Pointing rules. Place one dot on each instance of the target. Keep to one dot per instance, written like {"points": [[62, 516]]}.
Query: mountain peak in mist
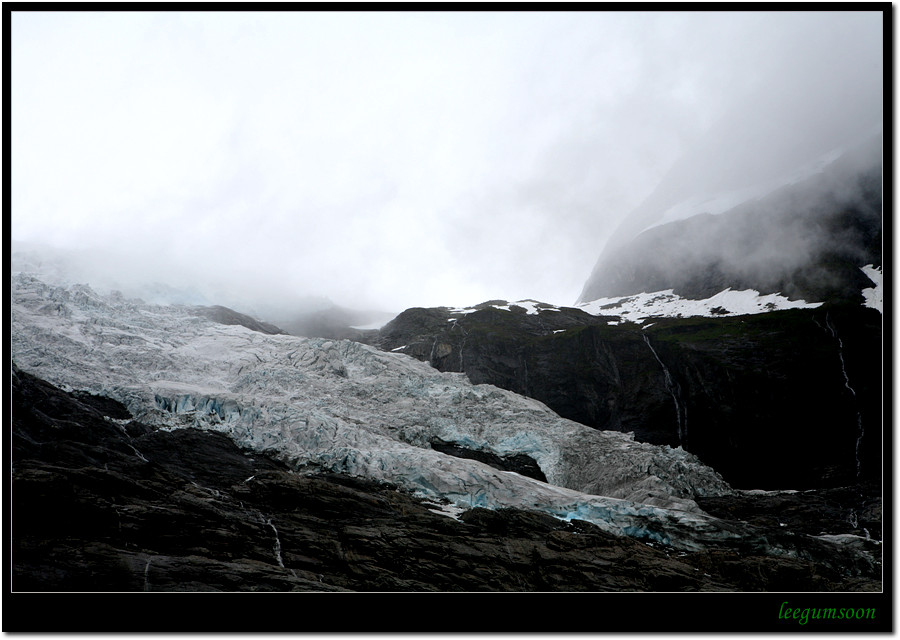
{"points": [[803, 225]]}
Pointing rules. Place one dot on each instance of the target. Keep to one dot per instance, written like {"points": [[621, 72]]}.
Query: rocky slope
{"points": [[224, 315], [103, 502], [798, 388]]}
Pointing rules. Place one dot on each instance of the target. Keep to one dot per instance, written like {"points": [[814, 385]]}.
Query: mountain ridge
{"points": [[806, 240]]}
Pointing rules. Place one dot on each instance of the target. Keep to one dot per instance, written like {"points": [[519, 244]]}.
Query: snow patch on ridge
{"points": [[666, 303], [531, 307], [874, 296], [658, 304]]}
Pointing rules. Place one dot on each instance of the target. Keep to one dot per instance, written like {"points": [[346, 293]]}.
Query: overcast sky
{"points": [[383, 160]]}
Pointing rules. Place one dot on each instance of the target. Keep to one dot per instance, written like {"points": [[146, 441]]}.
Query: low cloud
{"points": [[395, 159]]}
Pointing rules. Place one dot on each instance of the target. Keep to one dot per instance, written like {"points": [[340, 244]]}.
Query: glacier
{"points": [[346, 407]]}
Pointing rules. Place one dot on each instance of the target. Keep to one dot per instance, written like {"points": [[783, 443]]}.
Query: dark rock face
{"points": [[224, 315], [813, 512], [520, 463], [788, 399], [778, 400], [105, 505], [805, 241]]}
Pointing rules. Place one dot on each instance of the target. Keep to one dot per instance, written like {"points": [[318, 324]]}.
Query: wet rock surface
{"points": [[841, 511], [520, 463], [800, 389], [105, 503]]}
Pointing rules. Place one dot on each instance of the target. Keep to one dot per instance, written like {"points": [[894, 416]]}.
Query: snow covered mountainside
{"points": [[346, 407]]}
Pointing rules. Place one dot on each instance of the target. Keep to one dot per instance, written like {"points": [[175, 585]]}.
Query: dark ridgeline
{"points": [[224, 315]]}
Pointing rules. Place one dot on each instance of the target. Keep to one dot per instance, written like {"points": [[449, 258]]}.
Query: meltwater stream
{"points": [[860, 432], [681, 423]]}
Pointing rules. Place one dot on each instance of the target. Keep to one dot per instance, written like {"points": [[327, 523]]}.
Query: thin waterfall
{"points": [[462, 344], [147, 575], [525, 370], [260, 518], [860, 431], [431, 357], [277, 544], [674, 391]]}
